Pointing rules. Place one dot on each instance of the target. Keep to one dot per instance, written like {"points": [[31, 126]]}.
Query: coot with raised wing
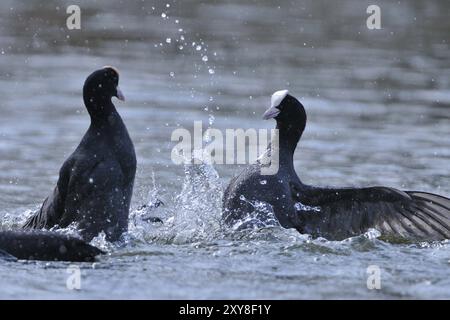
{"points": [[332, 213]]}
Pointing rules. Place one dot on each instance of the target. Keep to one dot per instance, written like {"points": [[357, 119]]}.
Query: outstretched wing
{"points": [[337, 214], [52, 209]]}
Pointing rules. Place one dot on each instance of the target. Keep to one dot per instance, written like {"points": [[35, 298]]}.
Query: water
{"points": [[378, 114]]}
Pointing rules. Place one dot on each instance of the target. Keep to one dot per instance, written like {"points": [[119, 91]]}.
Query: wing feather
{"points": [[347, 212]]}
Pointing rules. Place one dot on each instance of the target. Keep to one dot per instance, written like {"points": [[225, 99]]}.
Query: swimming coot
{"points": [[332, 213], [96, 182]]}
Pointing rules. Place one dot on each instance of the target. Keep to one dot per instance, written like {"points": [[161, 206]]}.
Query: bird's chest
{"points": [[272, 188], [121, 149], [125, 155]]}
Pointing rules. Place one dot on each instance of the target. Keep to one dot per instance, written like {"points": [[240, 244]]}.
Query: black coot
{"points": [[96, 182], [333, 213]]}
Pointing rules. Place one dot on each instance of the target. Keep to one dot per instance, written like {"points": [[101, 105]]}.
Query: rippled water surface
{"points": [[378, 105]]}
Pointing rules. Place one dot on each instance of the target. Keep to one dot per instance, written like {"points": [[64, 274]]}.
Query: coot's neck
{"points": [[288, 137], [101, 109]]}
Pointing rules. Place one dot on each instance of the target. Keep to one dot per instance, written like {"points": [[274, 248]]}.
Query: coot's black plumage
{"points": [[44, 245], [96, 182], [5, 256], [333, 213]]}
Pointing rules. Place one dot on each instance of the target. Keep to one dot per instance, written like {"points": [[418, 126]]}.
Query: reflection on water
{"points": [[377, 102]]}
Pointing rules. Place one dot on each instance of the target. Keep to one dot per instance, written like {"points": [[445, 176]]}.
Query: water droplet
{"points": [[91, 180], [168, 40], [263, 182], [172, 74], [301, 207], [163, 15], [205, 58], [211, 71], [198, 47], [242, 197], [211, 119]]}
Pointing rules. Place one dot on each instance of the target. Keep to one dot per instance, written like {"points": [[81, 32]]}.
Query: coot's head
{"points": [[287, 111], [102, 85]]}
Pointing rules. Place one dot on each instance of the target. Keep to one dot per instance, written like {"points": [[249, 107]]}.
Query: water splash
{"points": [[15, 219], [372, 234], [197, 209], [301, 207], [262, 216], [103, 244], [190, 43]]}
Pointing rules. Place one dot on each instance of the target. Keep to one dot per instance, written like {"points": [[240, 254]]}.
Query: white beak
{"points": [[275, 101], [120, 95], [271, 113]]}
